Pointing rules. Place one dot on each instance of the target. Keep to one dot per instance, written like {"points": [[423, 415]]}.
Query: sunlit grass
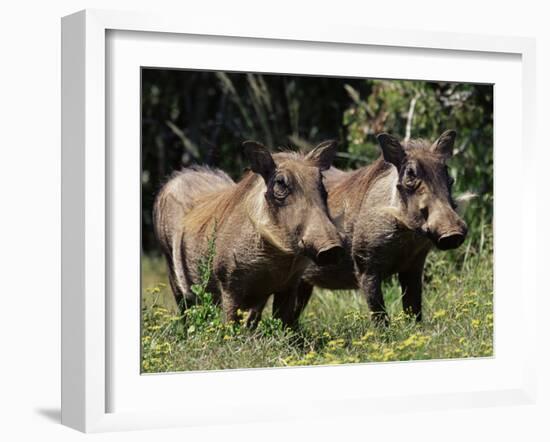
{"points": [[334, 329]]}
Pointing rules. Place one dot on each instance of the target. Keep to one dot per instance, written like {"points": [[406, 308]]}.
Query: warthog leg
{"points": [[255, 314], [230, 308], [234, 310], [288, 304], [411, 287], [372, 287], [283, 306], [303, 295], [184, 300]]}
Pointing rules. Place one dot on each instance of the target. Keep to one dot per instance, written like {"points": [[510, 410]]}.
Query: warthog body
{"points": [[391, 213], [265, 228]]}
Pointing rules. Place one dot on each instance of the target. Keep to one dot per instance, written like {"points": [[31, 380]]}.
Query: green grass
{"points": [[335, 328]]}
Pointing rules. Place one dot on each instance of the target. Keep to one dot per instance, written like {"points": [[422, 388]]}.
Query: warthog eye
{"points": [[411, 180], [280, 188]]}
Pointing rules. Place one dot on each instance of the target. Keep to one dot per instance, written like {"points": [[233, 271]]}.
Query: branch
{"points": [[410, 116], [187, 143]]}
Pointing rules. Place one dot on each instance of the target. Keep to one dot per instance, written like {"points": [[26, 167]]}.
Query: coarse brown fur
{"points": [[391, 214], [265, 227]]}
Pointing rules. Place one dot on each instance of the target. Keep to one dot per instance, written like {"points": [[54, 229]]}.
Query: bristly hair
{"points": [[353, 188], [288, 153], [217, 206], [416, 143]]}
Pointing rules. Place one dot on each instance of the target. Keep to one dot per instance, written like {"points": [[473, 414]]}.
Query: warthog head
{"points": [[424, 186], [292, 205]]}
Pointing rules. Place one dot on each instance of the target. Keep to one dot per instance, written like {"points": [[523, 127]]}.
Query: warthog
{"points": [[391, 213], [265, 228]]}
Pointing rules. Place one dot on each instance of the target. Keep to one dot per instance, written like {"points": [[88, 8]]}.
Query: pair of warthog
{"points": [[293, 222]]}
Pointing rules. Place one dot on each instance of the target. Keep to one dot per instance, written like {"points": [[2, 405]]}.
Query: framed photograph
{"points": [[262, 221]]}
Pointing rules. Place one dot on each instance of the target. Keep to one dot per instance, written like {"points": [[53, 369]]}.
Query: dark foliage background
{"points": [[191, 117]]}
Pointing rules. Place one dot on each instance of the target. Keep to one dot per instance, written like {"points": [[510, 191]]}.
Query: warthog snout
{"points": [[329, 255], [451, 240], [445, 228], [321, 241]]}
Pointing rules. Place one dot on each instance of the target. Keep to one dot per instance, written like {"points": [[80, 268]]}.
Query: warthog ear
{"points": [[392, 150], [323, 155], [444, 144], [261, 161]]}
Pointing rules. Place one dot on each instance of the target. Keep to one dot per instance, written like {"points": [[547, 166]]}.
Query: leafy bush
{"points": [[419, 109]]}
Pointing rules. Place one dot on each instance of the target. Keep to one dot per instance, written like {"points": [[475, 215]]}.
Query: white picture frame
{"points": [[87, 208]]}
